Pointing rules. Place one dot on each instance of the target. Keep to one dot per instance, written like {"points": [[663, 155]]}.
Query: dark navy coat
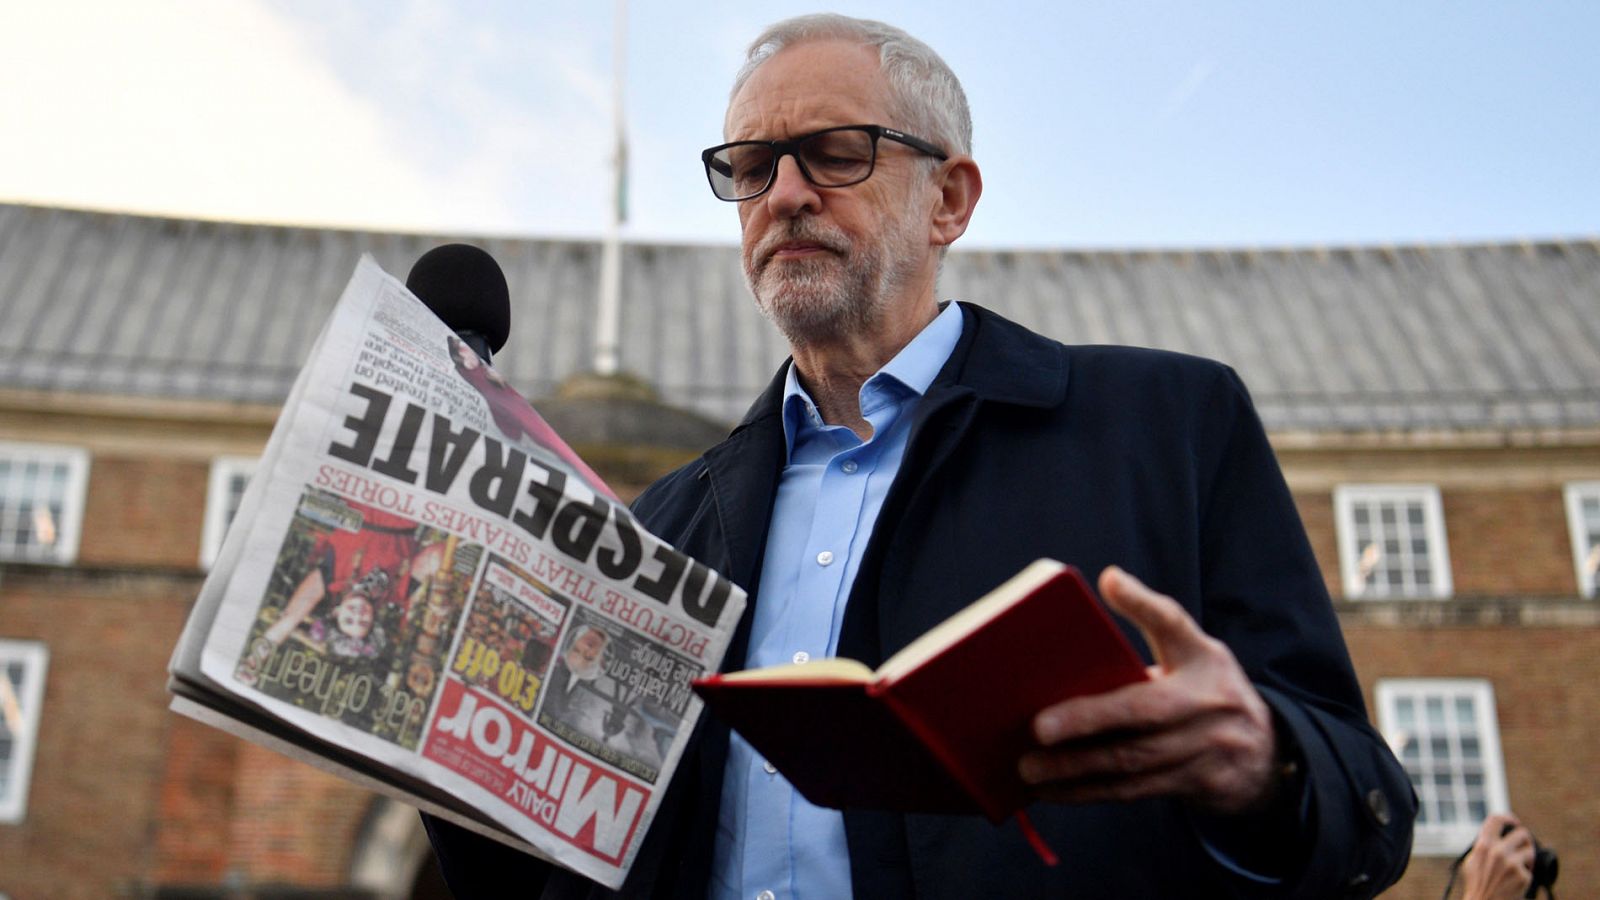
{"points": [[1023, 448]]}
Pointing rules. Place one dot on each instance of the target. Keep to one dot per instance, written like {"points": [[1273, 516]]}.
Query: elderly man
{"points": [[913, 455]]}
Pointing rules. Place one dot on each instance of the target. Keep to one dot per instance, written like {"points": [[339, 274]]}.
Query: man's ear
{"points": [[960, 184]]}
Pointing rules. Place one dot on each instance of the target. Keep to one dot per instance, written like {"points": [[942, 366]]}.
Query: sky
{"points": [[1096, 124]]}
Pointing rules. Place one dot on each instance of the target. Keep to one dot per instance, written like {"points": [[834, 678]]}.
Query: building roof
{"points": [[1434, 337]]}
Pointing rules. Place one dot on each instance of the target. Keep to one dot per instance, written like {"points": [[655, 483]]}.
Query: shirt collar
{"points": [[913, 368]]}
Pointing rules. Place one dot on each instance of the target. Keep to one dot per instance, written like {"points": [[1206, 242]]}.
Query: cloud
{"points": [[1198, 75], [513, 103], [215, 109]]}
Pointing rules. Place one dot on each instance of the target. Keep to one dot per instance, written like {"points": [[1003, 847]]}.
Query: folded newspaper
{"points": [[425, 591]]}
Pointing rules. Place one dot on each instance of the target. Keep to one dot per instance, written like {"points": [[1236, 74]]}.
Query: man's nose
{"points": [[791, 194]]}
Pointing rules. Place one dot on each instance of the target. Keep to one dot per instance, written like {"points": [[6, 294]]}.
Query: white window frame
{"points": [[1585, 552], [1433, 837], [20, 710], [223, 470], [64, 550], [1345, 499]]}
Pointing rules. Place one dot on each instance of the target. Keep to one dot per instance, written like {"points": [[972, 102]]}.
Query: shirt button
{"points": [[849, 467], [769, 768], [800, 656], [825, 557], [766, 895]]}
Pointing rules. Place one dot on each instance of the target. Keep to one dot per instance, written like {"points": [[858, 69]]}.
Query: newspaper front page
{"points": [[422, 574]]}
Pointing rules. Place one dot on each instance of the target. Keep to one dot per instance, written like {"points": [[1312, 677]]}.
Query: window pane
{"points": [[1392, 553], [230, 477], [21, 683], [1443, 753], [38, 500]]}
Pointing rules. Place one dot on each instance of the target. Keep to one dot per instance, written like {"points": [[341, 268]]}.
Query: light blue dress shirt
{"points": [[771, 843]]}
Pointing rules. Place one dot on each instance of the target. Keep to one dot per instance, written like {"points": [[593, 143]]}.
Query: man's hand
{"points": [[1499, 866], [1196, 730]]}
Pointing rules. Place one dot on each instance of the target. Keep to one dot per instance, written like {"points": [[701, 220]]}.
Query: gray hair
{"points": [[924, 93]]}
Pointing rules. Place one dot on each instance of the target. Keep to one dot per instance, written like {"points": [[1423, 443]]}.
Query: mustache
{"points": [[809, 231]]}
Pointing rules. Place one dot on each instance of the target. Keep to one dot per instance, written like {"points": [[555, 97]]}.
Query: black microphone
{"points": [[465, 288]]}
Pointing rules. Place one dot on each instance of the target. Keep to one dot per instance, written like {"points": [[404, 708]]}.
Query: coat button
{"points": [[1357, 883], [1378, 804]]}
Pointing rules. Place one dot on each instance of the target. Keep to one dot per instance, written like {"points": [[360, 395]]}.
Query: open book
{"points": [[425, 592], [940, 726]]}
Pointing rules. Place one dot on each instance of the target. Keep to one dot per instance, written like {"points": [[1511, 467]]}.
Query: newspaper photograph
{"points": [[424, 576]]}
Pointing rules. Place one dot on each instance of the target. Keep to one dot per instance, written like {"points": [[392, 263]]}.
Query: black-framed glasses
{"points": [[832, 157]]}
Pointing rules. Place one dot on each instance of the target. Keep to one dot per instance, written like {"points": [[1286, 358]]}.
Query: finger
{"points": [[1133, 708], [1174, 637], [1093, 760], [1189, 779], [1493, 826], [1115, 789]]}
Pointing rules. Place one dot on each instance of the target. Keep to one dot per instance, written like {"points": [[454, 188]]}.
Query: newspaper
{"points": [[426, 591]]}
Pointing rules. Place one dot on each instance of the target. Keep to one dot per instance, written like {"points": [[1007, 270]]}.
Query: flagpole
{"points": [[608, 318]]}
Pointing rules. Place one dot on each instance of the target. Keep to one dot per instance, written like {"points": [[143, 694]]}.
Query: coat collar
{"points": [[996, 361], [1002, 362]]}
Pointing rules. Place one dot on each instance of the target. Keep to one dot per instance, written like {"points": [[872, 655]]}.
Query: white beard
{"points": [[839, 293]]}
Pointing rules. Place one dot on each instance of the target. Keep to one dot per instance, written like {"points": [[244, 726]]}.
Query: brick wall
{"points": [[193, 844], [292, 823], [1509, 542], [1547, 697], [143, 512], [1316, 512], [102, 731]]}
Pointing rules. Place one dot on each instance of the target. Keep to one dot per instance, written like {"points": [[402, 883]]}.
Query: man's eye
{"points": [[749, 166], [836, 161]]}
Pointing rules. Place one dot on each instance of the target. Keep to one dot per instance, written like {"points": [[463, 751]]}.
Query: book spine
{"points": [[940, 751]]}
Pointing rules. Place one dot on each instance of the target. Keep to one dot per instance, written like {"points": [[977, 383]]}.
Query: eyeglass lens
{"points": [[829, 159]]}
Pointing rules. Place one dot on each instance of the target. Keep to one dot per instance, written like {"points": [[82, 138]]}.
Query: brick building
{"points": [[1436, 411]]}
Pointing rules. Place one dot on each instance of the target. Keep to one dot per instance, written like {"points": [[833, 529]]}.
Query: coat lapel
{"points": [[743, 473], [995, 362]]}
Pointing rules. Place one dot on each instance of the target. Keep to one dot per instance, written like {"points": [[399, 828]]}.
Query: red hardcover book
{"points": [[939, 726]]}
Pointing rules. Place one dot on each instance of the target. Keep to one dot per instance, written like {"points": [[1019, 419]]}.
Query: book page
{"points": [[833, 669]]}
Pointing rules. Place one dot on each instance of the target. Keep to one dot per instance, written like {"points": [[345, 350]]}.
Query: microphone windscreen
{"points": [[465, 288]]}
